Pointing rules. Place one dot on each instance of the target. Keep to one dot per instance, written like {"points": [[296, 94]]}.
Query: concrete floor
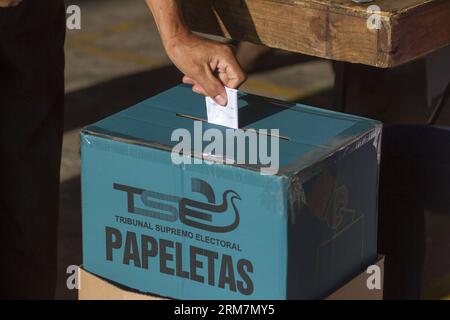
{"points": [[117, 60]]}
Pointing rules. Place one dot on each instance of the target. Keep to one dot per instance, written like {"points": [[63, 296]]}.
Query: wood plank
{"points": [[332, 29]]}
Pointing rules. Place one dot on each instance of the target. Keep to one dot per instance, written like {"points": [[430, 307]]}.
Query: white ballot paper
{"points": [[224, 116]]}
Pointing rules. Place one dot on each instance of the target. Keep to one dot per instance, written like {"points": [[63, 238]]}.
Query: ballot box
{"points": [[283, 208]]}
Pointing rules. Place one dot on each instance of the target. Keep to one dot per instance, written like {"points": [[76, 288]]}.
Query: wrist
{"points": [[176, 34], [172, 43]]}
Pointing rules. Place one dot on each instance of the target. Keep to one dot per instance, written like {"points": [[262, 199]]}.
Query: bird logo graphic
{"points": [[205, 215]]}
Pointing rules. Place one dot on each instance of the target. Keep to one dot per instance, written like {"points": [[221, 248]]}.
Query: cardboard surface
{"points": [[225, 231], [357, 289], [95, 288]]}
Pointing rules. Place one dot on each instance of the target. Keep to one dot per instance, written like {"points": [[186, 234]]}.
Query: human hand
{"points": [[207, 65]]}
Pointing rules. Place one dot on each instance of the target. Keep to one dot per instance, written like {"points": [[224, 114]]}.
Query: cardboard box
{"points": [[93, 287], [222, 229], [358, 288]]}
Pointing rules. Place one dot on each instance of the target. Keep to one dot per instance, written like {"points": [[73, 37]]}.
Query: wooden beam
{"points": [[331, 29]]}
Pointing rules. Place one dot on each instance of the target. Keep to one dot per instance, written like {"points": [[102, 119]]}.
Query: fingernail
{"points": [[219, 99]]}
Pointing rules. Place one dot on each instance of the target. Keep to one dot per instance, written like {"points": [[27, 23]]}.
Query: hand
{"points": [[9, 3], [207, 65]]}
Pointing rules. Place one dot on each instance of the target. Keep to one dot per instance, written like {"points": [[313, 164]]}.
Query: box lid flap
{"points": [[303, 130]]}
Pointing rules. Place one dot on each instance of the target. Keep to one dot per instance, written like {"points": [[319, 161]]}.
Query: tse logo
{"points": [[196, 214]]}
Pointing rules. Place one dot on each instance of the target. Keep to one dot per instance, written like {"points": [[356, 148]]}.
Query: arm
{"points": [[207, 65], [9, 3]]}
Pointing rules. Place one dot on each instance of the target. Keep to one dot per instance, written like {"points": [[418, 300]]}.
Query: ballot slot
{"points": [[245, 129]]}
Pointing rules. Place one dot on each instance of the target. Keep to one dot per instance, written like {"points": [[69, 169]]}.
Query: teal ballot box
{"points": [[172, 207]]}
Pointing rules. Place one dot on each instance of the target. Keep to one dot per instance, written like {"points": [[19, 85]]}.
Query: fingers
{"points": [[223, 77], [234, 76], [210, 80], [230, 72], [195, 86], [208, 85], [188, 80], [198, 89], [212, 86]]}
